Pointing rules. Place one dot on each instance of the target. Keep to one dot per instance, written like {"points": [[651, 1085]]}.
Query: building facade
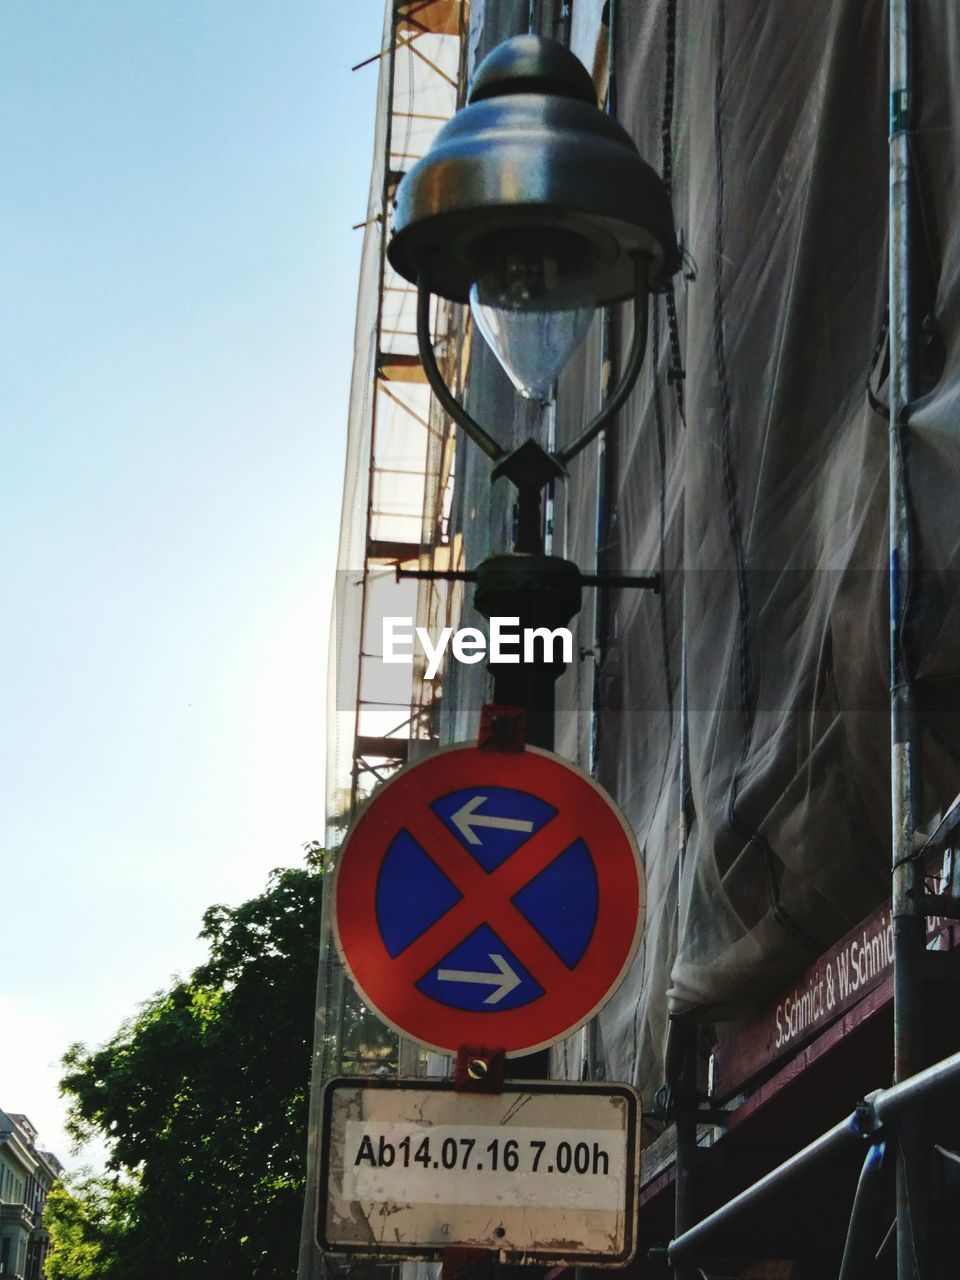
{"points": [[803, 895], [26, 1176]]}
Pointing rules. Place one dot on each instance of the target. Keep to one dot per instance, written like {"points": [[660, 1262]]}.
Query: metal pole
{"points": [[908, 917], [684, 1207], [846, 1133], [879, 1108], [684, 1186], [860, 1247], [888, 1104]]}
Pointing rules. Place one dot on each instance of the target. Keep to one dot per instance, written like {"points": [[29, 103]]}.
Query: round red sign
{"points": [[488, 898]]}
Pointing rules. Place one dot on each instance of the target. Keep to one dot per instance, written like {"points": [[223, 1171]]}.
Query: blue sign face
{"points": [[488, 969]]}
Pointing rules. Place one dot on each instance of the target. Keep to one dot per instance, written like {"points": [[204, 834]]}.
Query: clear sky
{"points": [[178, 181]]}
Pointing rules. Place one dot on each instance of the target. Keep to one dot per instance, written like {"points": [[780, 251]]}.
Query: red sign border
{"points": [[466, 1026]]}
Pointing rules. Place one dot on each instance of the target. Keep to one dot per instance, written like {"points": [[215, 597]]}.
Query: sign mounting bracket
{"points": [[479, 1070]]}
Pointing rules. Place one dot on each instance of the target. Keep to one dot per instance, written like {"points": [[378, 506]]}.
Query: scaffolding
{"points": [[400, 453], [396, 496], [399, 471], [723, 1154]]}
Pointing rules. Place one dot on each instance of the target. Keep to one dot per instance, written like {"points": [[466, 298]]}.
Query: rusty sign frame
{"points": [[548, 1248]]}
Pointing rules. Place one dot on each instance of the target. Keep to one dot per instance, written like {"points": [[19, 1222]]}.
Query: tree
{"points": [[87, 1221], [202, 1097]]}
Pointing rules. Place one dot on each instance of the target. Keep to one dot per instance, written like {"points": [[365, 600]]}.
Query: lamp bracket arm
{"points": [[440, 389], [631, 371]]}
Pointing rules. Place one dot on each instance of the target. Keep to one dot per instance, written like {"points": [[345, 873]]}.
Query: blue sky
{"points": [[177, 285]]}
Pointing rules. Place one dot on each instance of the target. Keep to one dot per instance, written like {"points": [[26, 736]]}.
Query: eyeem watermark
{"points": [[507, 643]]}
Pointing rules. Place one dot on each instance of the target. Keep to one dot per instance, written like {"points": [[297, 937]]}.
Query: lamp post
{"points": [[534, 207]]}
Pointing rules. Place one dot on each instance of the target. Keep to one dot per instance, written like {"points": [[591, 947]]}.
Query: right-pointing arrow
{"points": [[466, 818], [505, 980]]}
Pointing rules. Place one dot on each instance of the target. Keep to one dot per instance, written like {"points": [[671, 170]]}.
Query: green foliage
{"points": [[87, 1222], [203, 1097]]}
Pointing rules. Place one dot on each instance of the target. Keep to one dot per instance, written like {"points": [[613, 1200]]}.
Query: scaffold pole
{"points": [[907, 870]]}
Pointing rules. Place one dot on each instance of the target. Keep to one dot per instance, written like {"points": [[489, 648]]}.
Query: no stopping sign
{"points": [[488, 898]]}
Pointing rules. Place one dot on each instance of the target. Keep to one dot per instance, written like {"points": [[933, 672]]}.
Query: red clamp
{"points": [[502, 728], [479, 1070]]}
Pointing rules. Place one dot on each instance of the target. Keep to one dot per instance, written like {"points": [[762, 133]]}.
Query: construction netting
{"points": [[740, 717], [750, 468]]}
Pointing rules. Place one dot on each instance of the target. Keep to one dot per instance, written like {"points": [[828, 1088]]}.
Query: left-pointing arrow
{"points": [[504, 980], [466, 818]]}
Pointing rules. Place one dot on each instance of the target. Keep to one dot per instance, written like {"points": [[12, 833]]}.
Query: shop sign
{"points": [[857, 965]]}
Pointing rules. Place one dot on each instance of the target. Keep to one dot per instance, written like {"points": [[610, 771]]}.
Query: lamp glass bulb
{"points": [[525, 318]]}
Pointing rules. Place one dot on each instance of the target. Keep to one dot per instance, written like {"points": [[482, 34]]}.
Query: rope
{"points": [[675, 372]]}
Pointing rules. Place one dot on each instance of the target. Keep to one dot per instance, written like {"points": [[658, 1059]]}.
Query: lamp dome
{"points": [[532, 155]]}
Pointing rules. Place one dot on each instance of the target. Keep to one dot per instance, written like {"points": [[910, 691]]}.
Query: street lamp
{"points": [[534, 207]]}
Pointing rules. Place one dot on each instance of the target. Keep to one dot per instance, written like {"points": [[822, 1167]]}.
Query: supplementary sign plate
{"points": [[488, 898], [543, 1172]]}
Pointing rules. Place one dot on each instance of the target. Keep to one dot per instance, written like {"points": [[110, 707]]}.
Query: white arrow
{"points": [[467, 818], [504, 981]]}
